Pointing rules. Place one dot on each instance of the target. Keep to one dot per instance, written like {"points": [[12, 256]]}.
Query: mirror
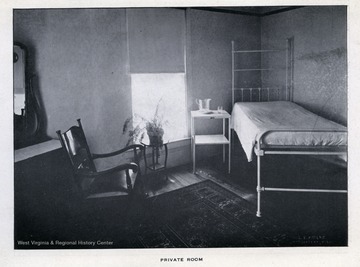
{"points": [[19, 79], [26, 103]]}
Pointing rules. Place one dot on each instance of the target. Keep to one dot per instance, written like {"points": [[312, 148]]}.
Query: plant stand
{"points": [[155, 165]]}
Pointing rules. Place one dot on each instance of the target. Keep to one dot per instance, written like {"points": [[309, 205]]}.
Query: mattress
{"points": [[251, 119]]}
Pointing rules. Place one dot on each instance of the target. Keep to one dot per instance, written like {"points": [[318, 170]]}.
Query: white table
{"points": [[210, 139]]}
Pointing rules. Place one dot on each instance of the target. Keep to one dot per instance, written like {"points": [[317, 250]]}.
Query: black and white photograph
{"points": [[181, 131]]}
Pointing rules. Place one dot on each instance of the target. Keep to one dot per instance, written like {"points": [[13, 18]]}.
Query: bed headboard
{"points": [[263, 75], [258, 94]]}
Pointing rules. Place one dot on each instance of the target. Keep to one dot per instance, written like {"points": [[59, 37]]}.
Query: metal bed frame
{"points": [[261, 148]]}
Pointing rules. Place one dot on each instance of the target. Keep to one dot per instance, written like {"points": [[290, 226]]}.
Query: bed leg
{"points": [[258, 188]]}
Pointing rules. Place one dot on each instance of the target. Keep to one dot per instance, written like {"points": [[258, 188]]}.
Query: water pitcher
{"points": [[203, 104]]}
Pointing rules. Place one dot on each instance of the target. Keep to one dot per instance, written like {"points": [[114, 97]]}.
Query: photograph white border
{"points": [[311, 256]]}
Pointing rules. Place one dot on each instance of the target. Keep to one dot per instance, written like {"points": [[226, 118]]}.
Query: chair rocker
{"points": [[93, 184]]}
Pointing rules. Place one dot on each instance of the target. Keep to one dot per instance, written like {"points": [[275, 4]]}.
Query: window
{"points": [[156, 43], [168, 88]]}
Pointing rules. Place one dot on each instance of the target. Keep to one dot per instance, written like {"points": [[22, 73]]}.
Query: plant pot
{"points": [[156, 140]]}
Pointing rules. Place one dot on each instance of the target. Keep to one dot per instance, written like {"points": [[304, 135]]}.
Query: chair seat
{"points": [[110, 185]]}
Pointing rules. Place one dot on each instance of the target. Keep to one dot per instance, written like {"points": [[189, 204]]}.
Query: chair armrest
{"points": [[122, 167], [105, 155]]}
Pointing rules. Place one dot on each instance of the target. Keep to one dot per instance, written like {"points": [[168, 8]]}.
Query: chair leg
{"points": [[140, 187], [128, 182], [143, 187]]}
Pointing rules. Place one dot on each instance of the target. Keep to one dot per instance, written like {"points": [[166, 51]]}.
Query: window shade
{"points": [[156, 40]]}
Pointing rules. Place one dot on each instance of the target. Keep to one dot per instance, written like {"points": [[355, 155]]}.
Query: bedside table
{"points": [[210, 139]]}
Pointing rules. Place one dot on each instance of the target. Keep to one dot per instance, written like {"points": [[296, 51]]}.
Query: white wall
{"points": [[81, 60], [320, 46]]}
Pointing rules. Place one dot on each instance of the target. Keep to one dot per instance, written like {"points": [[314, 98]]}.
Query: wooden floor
{"points": [[182, 176], [176, 178]]}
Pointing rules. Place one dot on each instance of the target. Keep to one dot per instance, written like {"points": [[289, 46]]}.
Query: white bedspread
{"points": [[250, 119]]}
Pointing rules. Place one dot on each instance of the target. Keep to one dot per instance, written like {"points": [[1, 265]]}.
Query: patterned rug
{"points": [[202, 215], [207, 215]]}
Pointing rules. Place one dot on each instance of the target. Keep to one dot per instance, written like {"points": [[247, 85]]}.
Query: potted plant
{"points": [[153, 127]]}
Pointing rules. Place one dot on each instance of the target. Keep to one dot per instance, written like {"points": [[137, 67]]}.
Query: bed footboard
{"points": [[262, 148]]}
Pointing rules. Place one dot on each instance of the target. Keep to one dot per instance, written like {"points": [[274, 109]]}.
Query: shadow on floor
{"points": [[45, 216]]}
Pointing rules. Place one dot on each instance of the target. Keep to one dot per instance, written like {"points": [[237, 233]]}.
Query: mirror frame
{"points": [[27, 125]]}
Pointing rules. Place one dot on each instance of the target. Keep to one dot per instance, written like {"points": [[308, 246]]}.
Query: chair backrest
{"points": [[75, 144]]}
